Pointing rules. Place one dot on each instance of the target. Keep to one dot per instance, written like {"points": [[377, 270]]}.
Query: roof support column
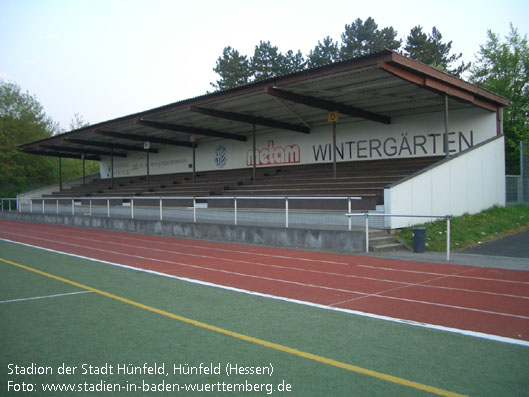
{"points": [[334, 149], [84, 171], [60, 174], [194, 161], [445, 140], [254, 155], [148, 173], [112, 167]]}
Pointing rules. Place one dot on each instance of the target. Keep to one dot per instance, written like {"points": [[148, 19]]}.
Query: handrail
{"points": [[130, 200], [368, 214]]}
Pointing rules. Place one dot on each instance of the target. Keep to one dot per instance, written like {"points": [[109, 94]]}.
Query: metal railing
{"points": [[366, 216], [276, 211]]}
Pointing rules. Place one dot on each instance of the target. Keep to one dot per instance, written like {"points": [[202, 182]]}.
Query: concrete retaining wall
{"points": [[324, 240]]}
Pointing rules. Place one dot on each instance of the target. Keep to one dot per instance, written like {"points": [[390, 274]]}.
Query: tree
{"points": [[233, 69], [22, 120], [363, 38], [324, 53], [73, 168], [430, 50], [503, 68], [267, 61], [294, 62]]}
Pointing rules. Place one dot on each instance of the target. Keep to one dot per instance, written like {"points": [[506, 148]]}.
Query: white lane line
{"points": [[277, 280], [473, 334], [45, 297], [290, 268]]}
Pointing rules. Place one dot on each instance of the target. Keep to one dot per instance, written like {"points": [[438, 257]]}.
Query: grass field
{"points": [[119, 320], [469, 230]]}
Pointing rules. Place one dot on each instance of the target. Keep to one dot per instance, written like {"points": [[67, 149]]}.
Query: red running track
{"points": [[486, 300]]}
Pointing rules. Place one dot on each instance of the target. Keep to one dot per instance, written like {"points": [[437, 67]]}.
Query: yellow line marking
{"points": [[271, 345]]}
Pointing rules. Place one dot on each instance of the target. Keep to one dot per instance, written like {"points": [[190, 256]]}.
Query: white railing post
{"points": [[448, 238], [131, 208], [108, 208], [286, 212], [235, 209], [43, 204], [90, 207], [367, 231], [73, 208], [194, 210], [349, 211], [31, 206], [57, 206], [161, 209]]}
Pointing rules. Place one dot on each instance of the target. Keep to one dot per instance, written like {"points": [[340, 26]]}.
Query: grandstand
{"points": [[365, 179], [404, 137]]}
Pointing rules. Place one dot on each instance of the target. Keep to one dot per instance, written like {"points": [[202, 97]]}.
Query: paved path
{"points": [[515, 246], [510, 252]]}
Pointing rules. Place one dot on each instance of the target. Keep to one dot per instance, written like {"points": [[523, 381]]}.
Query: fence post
{"points": [[194, 210], [367, 230], [57, 206], [108, 208], [90, 207], [161, 210], [286, 212], [235, 209], [131, 208], [73, 208], [2, 201], [31, 206], [43, 204]]}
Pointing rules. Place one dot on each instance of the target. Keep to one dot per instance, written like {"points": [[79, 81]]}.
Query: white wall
{"points": [[410, 136], [468, 183]]}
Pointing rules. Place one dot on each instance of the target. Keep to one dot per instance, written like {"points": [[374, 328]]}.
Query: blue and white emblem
{"points": [[220, 156]]}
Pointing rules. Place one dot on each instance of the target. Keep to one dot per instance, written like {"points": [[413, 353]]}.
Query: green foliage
{"points": [[23, 120], [503, 68], [323, 53], [430, 50], [358, 39], [267, 61], [233, 69], [363, 38], [468, 230]]}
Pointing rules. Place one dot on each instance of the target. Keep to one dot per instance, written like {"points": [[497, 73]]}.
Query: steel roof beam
{"points": [[142, 138], [249, 119], [61, 149], [330, 106], [59, 154], [109, 145], [189, 130], [444, 88]]}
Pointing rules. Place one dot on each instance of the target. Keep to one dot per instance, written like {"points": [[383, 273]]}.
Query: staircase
{"points": [[383, 241]]}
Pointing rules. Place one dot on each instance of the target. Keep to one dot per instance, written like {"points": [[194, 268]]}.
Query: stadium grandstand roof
{"points": [[376, 87]]}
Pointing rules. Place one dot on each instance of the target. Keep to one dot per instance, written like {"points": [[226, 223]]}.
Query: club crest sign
{"points": [[220, 156]]}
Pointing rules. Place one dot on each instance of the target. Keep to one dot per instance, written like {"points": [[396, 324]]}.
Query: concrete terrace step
{"points": [[382, 241]]}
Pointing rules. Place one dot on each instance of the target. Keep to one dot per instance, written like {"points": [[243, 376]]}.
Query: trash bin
{"points": [[419, 239]]}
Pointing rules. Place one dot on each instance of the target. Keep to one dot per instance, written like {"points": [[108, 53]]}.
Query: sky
{"points": [[103, 59]]}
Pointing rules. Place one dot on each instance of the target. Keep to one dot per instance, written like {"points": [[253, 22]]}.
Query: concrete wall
{"points": [[467, 183], [321, 240]]}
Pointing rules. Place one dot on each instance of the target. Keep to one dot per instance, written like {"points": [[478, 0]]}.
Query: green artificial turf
{"points": [[95, 330]]}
